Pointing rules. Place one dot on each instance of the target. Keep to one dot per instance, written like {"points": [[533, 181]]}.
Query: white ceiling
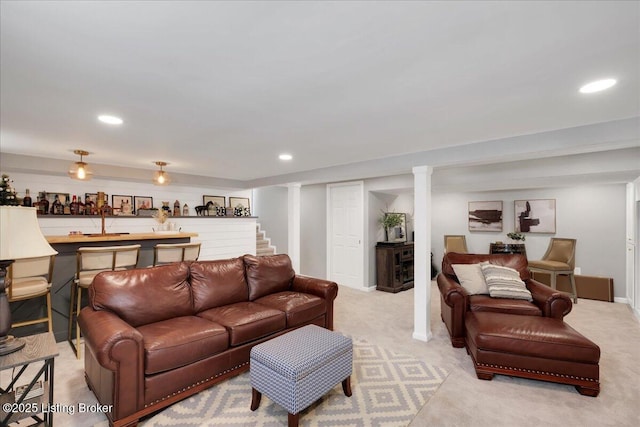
{"points": [[219, 89]]}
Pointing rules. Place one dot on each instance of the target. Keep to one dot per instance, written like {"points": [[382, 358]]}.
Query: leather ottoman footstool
{"points": [[297, 368], [533, 347]]}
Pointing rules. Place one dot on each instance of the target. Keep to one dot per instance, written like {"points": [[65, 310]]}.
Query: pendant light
{"points": [[80, 170], [160, 177]]}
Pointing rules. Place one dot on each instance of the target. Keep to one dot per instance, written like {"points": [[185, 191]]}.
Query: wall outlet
{"points": [[577, 271]]}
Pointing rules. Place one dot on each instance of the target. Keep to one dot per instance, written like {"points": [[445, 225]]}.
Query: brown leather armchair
{"points": [[455, 301]]}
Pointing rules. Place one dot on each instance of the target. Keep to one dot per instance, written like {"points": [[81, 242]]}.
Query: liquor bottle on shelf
{"points": [[185, 210], [26, 201], [176, 208], [44, 203], [56, 207], [66, 207], [73, 207], [89, 206], [80, 206]]}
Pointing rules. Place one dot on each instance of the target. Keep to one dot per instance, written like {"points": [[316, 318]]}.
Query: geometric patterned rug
{"points": [[388, 390]]}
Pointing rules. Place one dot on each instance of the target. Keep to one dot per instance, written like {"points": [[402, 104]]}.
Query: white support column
{"points": [[293, 227], [421, 253]]}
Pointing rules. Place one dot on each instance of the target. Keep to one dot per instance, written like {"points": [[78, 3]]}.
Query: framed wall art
{"points": [[485, 216], [142, 202], [217, 201], [535, 216], [93, 197], [243, 202], [122, 205]]}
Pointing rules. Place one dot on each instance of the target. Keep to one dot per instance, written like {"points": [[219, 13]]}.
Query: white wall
{"points": [[270, 205], [220, 238], [594, 215], [313, 230]]}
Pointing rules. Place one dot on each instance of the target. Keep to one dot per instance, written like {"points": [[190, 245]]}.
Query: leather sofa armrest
{"points": [[324, 289], [116, 347], [314, 286], [453, 307], [553, 303], [452, 293], [104, 332]]}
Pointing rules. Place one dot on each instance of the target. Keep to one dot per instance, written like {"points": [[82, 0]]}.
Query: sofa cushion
{"points": [[471, 278], [504, 282], [268, 274], [218, 283], [516, 261], [299, 308], [127, 293], [177, 342], [246, 321], [481, 303]]}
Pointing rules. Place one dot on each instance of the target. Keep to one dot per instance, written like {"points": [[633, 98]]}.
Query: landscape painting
{"points": [[485, 216]]}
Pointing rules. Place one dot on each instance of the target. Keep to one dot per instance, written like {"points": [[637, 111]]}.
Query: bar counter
{"points": [[116, 237]]}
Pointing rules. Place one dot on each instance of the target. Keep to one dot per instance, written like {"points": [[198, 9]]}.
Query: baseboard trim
{"points": [[422, 337], [621, 300]]}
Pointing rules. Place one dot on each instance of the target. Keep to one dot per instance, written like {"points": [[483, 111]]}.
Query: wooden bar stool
{"points": [[165, 253], [90, 262], [31, 278]]}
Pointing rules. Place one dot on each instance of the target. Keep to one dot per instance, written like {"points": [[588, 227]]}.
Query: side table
{"points": [[38, 348]]}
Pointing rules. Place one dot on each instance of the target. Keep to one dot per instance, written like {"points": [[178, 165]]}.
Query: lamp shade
{"points": [[20, 235], [161, 177], [81, 171]]}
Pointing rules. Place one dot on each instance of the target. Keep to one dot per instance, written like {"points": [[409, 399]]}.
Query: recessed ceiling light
{"points": [[285, 156], [597, 86], [111, 120]]}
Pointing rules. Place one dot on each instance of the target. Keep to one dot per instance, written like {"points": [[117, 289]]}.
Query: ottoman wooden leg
{"points": [[293, 420], [346, 386], [256, 396]]}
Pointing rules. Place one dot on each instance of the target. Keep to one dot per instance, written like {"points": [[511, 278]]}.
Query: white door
{"points": [[345, 257]]}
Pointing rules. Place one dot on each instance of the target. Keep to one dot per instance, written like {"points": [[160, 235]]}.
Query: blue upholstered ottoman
{"points": [[297, 368]]}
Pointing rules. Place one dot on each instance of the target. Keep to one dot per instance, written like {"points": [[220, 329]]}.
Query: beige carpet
{"points": [[386, 320], [388, 389]]}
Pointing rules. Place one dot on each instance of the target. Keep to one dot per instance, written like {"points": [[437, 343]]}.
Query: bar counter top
{"points": [[111, 237]]}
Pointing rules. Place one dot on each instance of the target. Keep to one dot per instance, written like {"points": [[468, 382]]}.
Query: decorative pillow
{"points": [[471, 278], [504, 282]]}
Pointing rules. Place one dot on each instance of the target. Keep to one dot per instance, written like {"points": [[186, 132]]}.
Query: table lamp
{"points": [[20, 237]]}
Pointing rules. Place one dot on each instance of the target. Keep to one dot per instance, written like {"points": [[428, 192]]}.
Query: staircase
{"points": [[263, 244]]}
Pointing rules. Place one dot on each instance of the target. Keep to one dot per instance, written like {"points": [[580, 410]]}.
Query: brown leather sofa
{"points": [[154, 336], [455, 301]]}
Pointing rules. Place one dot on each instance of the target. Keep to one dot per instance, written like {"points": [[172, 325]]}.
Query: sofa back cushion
{"points": [[516, 261], [218, 283], [144, 295], [268, 274]]}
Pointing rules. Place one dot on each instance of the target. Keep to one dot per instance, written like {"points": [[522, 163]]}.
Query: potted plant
{"points": [[389, 220], [516, 236]]}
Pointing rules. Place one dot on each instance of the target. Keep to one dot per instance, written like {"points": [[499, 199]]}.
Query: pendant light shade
{"points": [[161, 177], [80, 170]]}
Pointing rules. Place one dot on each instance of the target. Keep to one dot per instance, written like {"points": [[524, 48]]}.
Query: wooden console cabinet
{"points": [[507, 248], [394, 266]]}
